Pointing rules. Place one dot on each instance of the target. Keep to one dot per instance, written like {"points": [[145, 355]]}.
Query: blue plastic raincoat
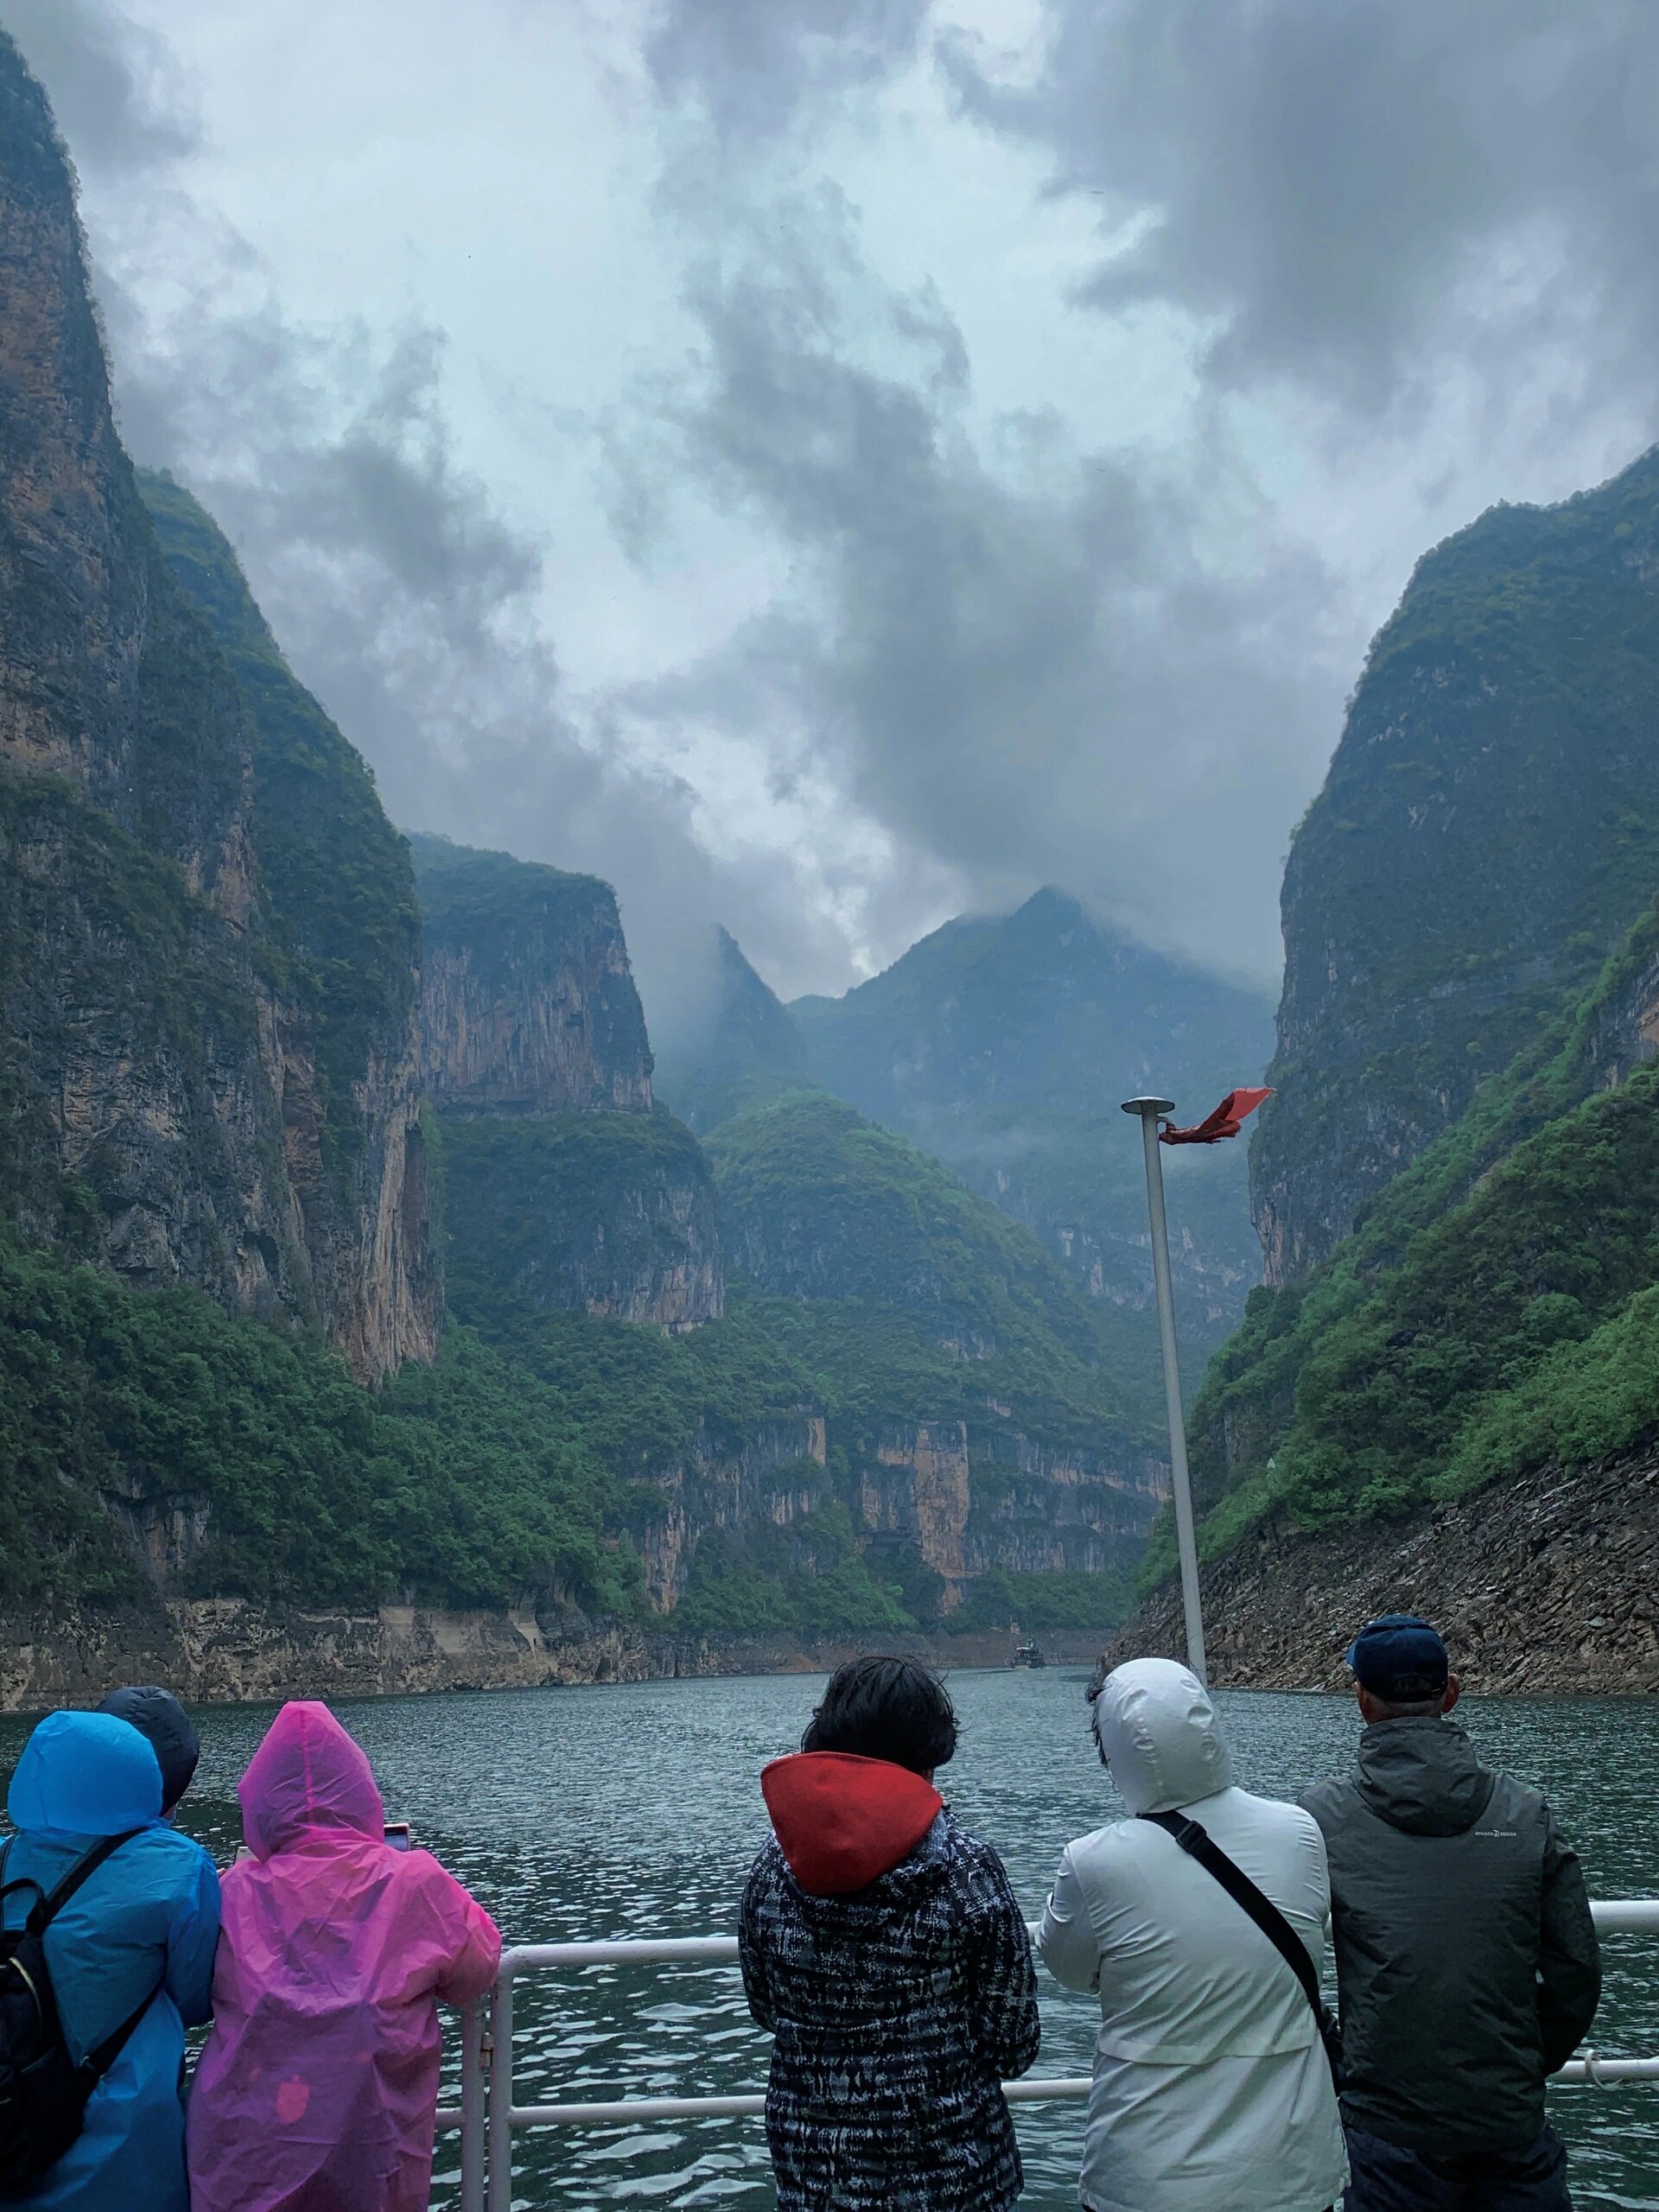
{"points": [[147, 1920]]}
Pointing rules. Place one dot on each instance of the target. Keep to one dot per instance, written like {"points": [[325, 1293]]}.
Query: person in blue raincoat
{"points": [[145, 1921]]}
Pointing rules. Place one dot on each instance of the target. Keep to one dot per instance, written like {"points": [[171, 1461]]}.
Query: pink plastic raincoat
{"points": [[318, 2088]]}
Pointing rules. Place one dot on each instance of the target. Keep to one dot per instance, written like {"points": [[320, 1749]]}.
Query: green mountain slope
{"points": [[746, 1050], [1004, 1046], [1481, 1319], [907, 1391], [140, 1426], [822, 1207], [1488, 832]]}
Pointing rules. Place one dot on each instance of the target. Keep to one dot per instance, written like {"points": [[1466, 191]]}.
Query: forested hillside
{"points": [[1488, 832], [1493, 1312], [904, 1394], [275, 1072], [1004, 1046]]}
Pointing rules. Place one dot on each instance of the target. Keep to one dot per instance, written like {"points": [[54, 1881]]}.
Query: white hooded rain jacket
{"points": [[1211, 2089]]}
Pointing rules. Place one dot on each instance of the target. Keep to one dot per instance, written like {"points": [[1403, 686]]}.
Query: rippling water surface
{"points": [[635, 1811]]}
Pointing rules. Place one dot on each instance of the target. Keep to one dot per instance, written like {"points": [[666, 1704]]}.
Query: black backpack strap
{"points": [[87, 1864], [1195, 1840], [99, 2060]]}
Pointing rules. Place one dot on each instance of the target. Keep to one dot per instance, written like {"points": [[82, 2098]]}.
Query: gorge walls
{"points": [[567, 1187], [1488, 831]]}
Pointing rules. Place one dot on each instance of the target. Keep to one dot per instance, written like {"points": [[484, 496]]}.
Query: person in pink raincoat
{"points": [[318, 2088]]}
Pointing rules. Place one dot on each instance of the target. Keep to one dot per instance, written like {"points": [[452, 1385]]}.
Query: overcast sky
{"points": [[829, 464]]}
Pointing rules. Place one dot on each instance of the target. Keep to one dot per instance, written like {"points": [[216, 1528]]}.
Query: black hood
{"points": [[157, 1715], [1421, 1775]]}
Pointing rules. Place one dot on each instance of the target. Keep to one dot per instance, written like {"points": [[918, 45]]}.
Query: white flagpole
{"points": [[1150, 1110]]}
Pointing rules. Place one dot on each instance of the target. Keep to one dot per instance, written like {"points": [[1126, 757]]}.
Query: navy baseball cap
{"points": [[1399, 1657]]}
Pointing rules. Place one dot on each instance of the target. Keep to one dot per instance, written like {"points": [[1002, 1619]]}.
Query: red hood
{"points": [[841, 1820]]}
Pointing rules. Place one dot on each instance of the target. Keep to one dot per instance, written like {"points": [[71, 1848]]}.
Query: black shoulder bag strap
{"points": [[97, 2062], [1196, 1840]]}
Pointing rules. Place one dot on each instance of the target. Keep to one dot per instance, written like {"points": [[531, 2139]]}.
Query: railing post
{"points": [[499, 2197], [473, 2111]]}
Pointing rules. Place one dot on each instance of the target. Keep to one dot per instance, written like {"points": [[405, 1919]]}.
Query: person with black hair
{"points": [[883, 1946]]}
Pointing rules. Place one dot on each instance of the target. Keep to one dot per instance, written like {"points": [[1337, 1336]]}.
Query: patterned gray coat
{"points": [[897, 2011]]}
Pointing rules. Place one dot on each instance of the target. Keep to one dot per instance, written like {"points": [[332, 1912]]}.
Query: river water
{"points": [[635, 1810]]}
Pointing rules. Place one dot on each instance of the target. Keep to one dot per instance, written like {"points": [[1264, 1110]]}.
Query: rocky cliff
{"points": [[610, 1213], [907, 1417], [337, 904], [566, 1187], [1487, 830], [174, 1103], [1546, 1583], [980, 1415], [528, 1004]]}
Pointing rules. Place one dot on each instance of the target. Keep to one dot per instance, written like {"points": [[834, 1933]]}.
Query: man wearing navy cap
{"points": [[1467, 1969]]}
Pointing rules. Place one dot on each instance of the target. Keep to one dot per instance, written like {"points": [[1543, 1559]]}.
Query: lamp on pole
{"points": [[1151, 1111]]}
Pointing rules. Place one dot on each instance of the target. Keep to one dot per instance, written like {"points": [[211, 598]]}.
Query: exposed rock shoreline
{"points": [[227, 1651], [1544, 1585]]}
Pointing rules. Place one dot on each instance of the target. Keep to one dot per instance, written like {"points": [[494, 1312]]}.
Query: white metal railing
{"points": [[488, 2116]]}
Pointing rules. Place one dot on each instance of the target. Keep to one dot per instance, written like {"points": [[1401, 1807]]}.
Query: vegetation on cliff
{"points": [[1488, 831], [908, 1292], [610, 1212], [246, 1461], [338, 887], [1003, 1045], [1495, 1309], [528, 1004]]}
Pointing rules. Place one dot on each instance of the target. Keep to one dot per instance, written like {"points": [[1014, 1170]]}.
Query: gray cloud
{"points": [[412, 609], [752, 63], [115, 89], [1410, 245], [398, 592], [1024, 669], [1347, 193]]}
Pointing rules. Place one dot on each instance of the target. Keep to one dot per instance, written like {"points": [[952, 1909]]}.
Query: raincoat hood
{"points": [[307, 1777], [1159, 1734], [319, 2084], [167, 1728], [842, 1821], [1421, 1775], [85, 1774]]}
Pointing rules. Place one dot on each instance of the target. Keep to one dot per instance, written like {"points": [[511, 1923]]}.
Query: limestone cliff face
{"points": [[141, 1115], [566, 1187], [177, 1103], [606, 1213], [1488, 831], [961, 1499], [142, 1090], [777, 1475], [528, 1004], [103, 678], [337, 902], [916, 1486], [1039, 1509]]}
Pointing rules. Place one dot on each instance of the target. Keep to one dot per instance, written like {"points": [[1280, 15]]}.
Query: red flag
{"points": [[1234, 1109]]}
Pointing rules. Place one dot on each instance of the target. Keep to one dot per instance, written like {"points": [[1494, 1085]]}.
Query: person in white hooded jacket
{"points": [[1212, 2092]]}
